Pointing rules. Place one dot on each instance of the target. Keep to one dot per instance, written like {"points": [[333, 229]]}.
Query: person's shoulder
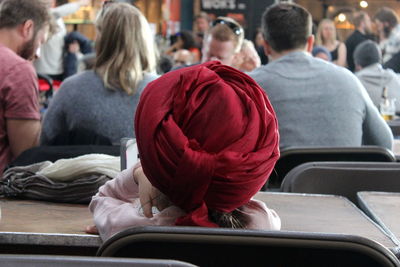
{"points": [[147, 78], [12, 62], [354, 36], [9, 55], [393, 75], [270, 66], [84, 83], [85, 77], [330, 68], [150, 76]]}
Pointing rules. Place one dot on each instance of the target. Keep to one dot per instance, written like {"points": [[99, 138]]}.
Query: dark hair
{"points": [[367, 53], [17, 12], [187, 39], [235, 219], [358, 18], [388, 15], [286, 26]]}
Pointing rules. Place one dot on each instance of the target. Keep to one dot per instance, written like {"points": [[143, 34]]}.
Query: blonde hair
{"points": [[319, 40], [125, 47]]}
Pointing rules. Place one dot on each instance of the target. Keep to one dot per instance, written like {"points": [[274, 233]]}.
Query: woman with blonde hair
{"points": [[98, 106], [327, 37]]}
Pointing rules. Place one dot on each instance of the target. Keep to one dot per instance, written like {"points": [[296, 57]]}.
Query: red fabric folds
{"points": [[208, 139]]}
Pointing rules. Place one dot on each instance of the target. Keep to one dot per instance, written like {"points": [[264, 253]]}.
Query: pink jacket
{"points": [[117, 207]]}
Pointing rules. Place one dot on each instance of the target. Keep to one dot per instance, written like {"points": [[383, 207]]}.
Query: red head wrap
{"points": [[207, 138]]}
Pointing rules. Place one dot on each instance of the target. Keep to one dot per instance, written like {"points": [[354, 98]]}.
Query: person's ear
{"points": [[27, 29], [310, 43], [267, 48]]}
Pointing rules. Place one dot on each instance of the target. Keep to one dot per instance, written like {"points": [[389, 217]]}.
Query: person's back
{"points": [[101, 102], [362, 23], [316, 102], [83, 103], [50, 61], [375, 78], [23, 27]]}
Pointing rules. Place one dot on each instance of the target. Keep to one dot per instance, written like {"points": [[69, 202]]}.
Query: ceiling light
{"points": [[363, 4], [341, 17]]}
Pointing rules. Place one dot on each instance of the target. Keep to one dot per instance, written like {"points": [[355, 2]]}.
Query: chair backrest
{"points": [[129, 153], [343, 178], [228, 247], [292, 157], [73, 261]]}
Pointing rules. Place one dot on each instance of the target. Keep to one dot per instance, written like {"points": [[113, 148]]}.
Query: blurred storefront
{"points": [[164, 16], [247, 12], [167, 17]]}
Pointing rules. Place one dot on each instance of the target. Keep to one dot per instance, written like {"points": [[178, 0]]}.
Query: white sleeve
{"points": [[65, 10]]}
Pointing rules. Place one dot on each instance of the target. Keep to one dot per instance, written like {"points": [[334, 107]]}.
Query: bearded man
{"points": [[23, 28]]}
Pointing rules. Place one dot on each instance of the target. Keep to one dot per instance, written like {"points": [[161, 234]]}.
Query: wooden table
{"points": [[325, 214], [383, 208], [37, 227]]}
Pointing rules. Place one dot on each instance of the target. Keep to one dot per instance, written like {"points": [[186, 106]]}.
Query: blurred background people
{"points": [[327, 37], [316, 103], [76, 45], [387, 25], [367, 58], [321, 52], [97, 107], [50, 61], [201, 26], [362, 32], [182, 58], [184, 40], [247, 59], [223, 41], [258, 43], [165, 64]]}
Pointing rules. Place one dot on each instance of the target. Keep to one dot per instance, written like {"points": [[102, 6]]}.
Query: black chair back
{"points": [[75, 261], [343, 178], [228, 247], [292, 157]]}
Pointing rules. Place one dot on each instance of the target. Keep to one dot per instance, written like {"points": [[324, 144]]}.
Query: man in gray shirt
{"points": [[316, 102]]}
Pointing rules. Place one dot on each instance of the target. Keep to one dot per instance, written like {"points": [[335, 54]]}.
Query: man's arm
{"points": [[22, 134]]}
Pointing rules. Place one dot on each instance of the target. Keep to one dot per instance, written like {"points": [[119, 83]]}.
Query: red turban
{"points": [[207, 138]]}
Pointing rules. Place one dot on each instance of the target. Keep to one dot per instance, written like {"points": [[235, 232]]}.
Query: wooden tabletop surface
{"points": [[384, 208], [25, 221], [324, 214]]}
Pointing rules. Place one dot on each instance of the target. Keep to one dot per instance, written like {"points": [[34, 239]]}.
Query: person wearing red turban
{"points": [[208, 141]]}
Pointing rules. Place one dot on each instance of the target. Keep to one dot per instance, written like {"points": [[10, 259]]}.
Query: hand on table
{"points": [[91, 229], [148, 194]]}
